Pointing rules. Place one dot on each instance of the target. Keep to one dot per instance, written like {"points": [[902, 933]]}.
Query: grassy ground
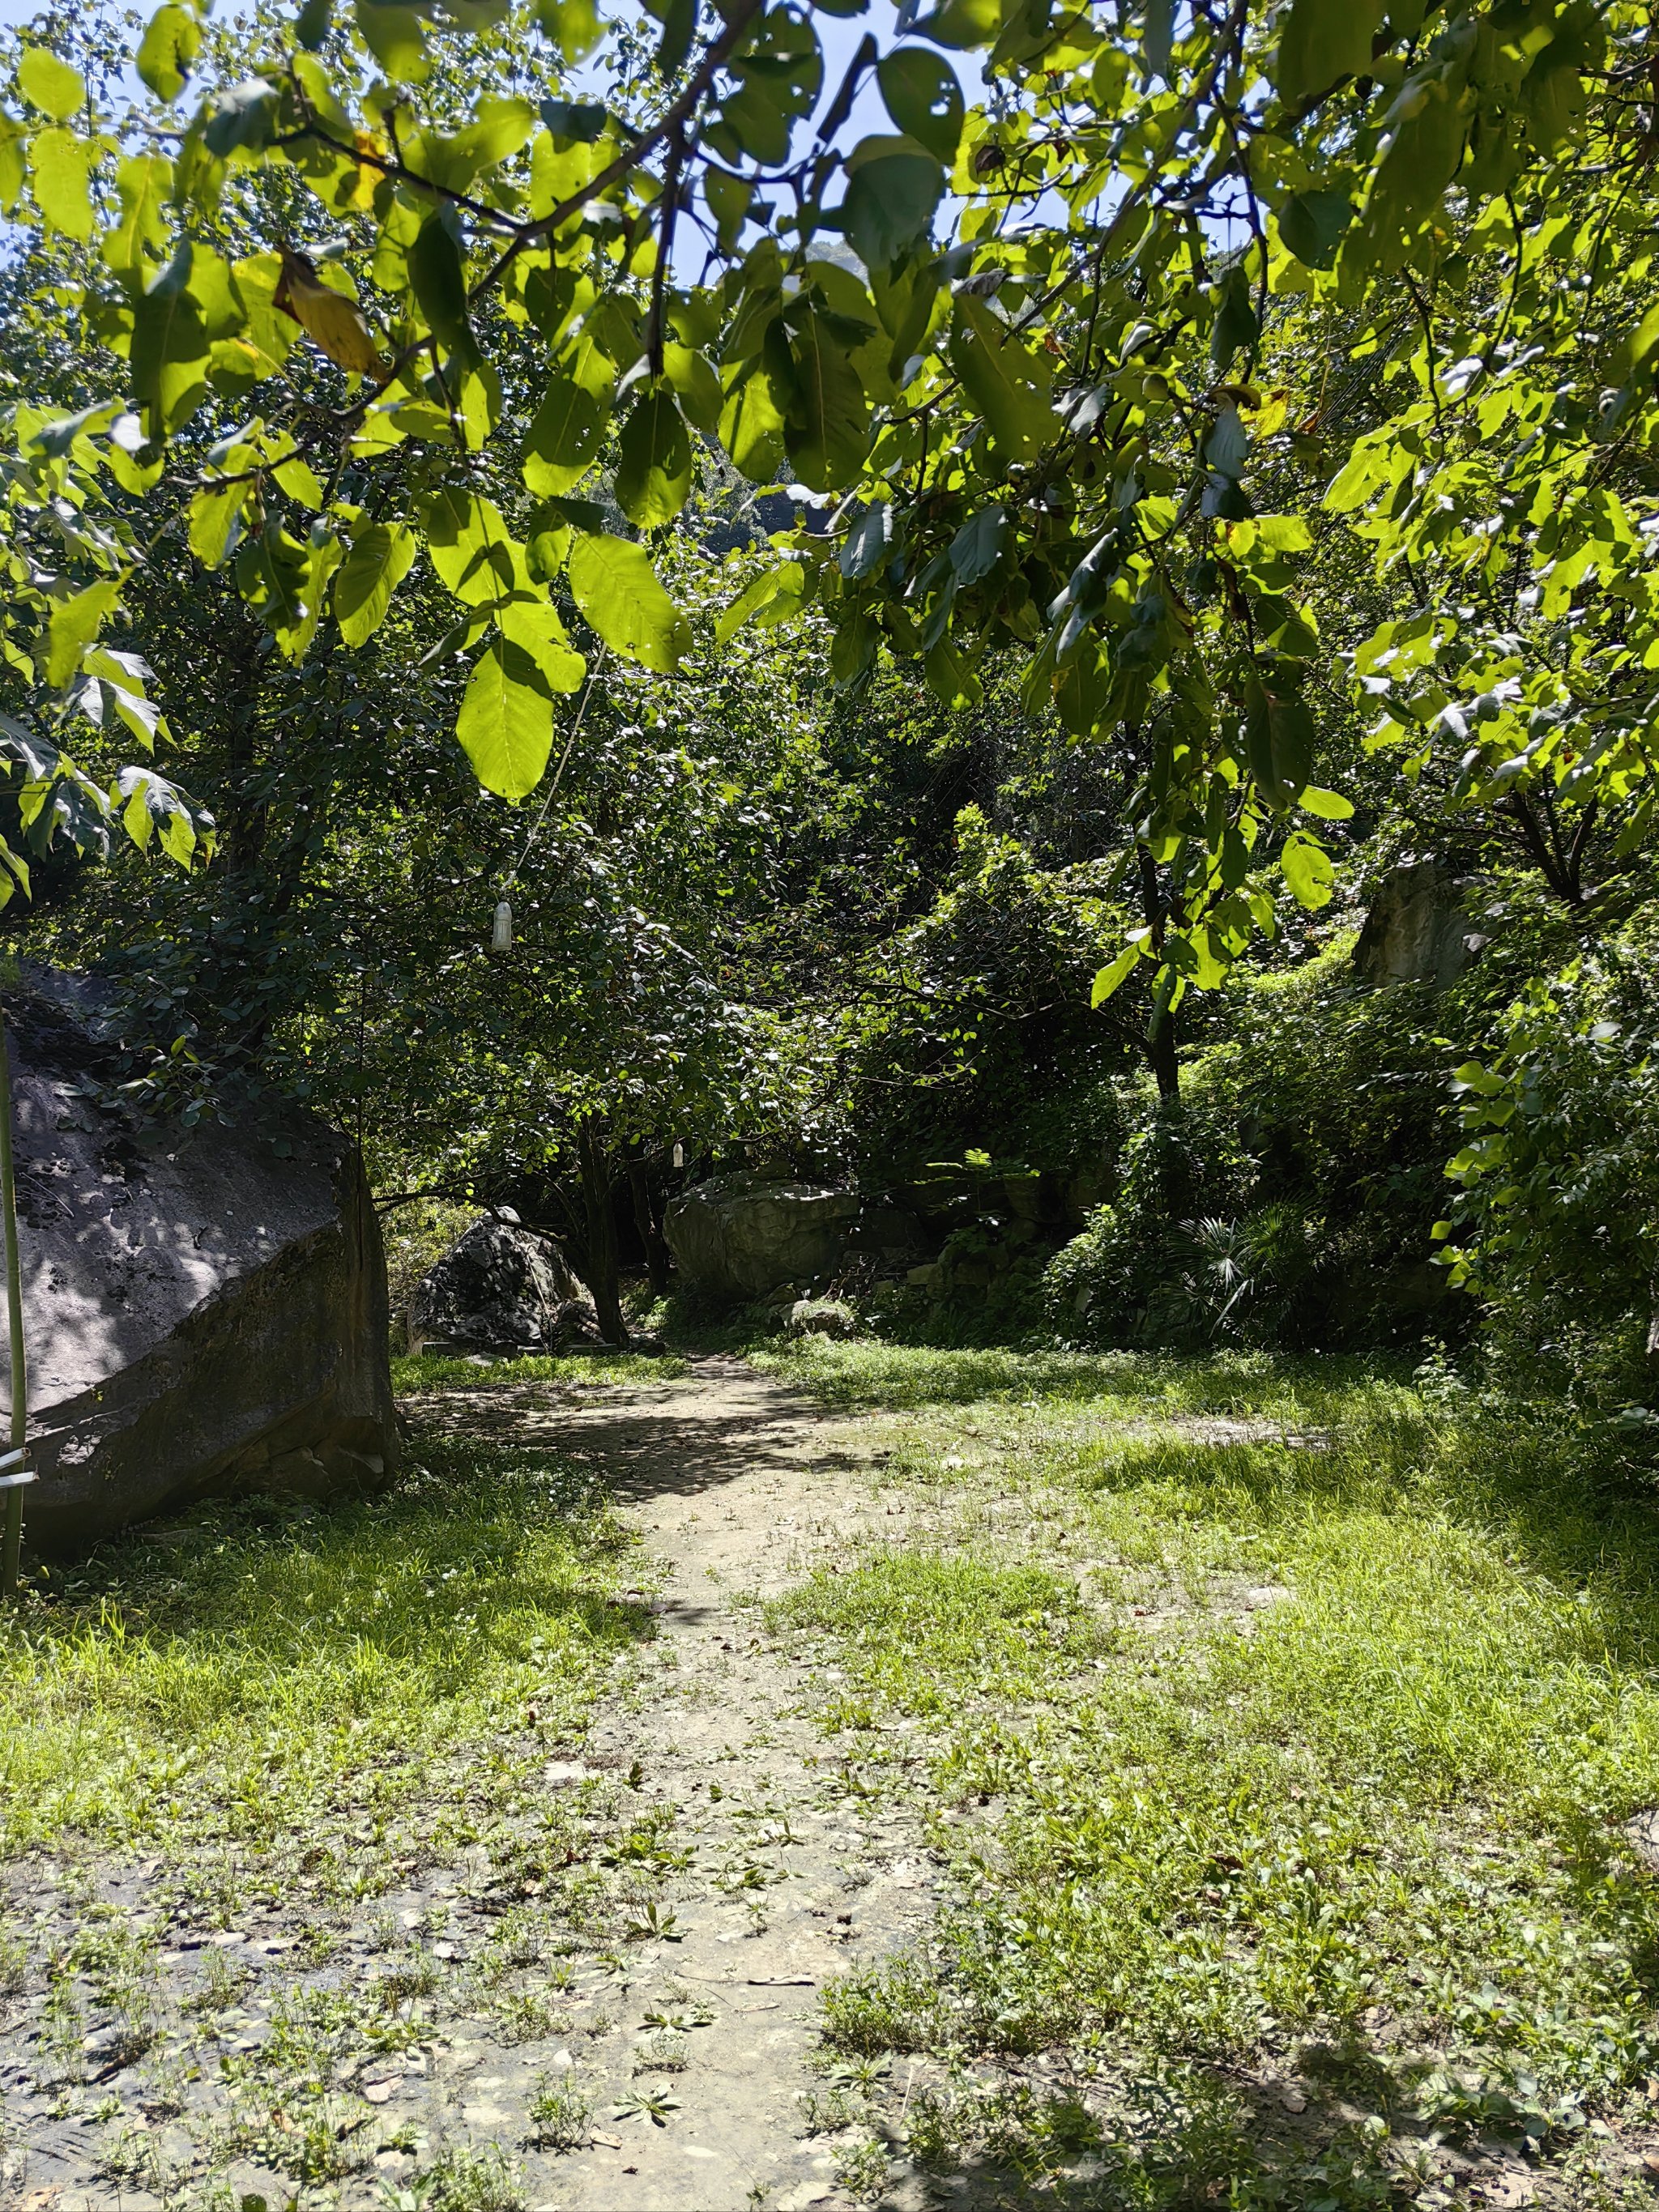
{"points": [[413, 1373], [274, 1810], [1278, 1755]]}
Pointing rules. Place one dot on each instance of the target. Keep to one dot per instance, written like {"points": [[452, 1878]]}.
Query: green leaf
{"points": [[73, 624], [166, 50], [169, 350], [438, 278], [505, 723], [243, 115], [654, 462], [962, 23], [978, 546], [696, 387], [869, 542], [613, 583], [920, 92], [1157, 40], [379, 561], [890, 199], [1306, 867], [60, 173], [1322, 42], [1328, 806], [50, 84], [1313, 224], [393, 35], [1003, 379], [749, 602], [827, 430], [1118, 972], [564, 438], [579, 120], [213, 511], [142, 184], [533, 626], [752, 420], [474, 553]]}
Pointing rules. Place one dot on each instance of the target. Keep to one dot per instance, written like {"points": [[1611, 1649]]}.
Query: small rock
{"points": [[1293, 2100], [1641, 1833]]}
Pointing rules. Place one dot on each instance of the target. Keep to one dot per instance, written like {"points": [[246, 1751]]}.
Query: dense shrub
{"points": [[1288, 1196], [1557, 1228]]}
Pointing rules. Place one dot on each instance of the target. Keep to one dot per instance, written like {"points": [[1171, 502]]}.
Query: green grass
{"points": [[277, 1672], [414, 1372], [867, 1372], [1363, 1828]]}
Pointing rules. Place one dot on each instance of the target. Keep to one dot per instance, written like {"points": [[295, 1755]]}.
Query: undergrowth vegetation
{"points": [[1292, 1751]]}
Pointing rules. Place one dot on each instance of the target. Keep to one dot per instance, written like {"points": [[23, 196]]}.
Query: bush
{"points": [[1558, 1225], [1288, 1196]]}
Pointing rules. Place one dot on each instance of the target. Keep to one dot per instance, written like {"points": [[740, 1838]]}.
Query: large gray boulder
{"points": [[206, 1309], [501, 1289], [740, 1236], [1419, 928]]}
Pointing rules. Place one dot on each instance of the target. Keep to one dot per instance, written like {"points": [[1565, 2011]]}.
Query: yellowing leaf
{"points": [[327, 317]]}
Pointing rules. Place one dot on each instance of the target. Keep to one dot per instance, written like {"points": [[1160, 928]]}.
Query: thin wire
{"points": [[558, 774]]}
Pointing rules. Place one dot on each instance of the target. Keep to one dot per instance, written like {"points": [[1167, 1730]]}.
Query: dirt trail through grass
{"points": [[603, 2001], [737, 1487]]}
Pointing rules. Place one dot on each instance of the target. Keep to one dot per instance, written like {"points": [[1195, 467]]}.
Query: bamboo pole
{"points": [[11, 1544]]}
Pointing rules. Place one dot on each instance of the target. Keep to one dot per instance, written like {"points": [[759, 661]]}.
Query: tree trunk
{"points": [[658, 1260], [602, 1278]]}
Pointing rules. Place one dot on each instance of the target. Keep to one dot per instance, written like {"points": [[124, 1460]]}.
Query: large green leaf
{"points": [[565, 436], [1323, 41], [533, 626], [654, 462], [615, 586], [213, 512], [169, 351], [1004, 378], [827, 431], [1306, 867], [168, 49], [60, 173], [921, 95], [74, 623], [505, 723], [752, 420], [379, 561], [892, 189], [50, 84], [472, 550], [437, 279]]}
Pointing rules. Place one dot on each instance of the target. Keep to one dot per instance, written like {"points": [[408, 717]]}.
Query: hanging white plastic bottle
{"points": [[500, 939]]}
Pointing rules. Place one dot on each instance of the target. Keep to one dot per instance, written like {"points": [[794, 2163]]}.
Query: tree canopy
{"points": [[1129, 313]]}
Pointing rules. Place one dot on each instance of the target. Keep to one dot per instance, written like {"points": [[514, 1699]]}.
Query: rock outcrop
{"points": [[501, 1289], [741, 1235], [1419, 928], [206, 1309]]}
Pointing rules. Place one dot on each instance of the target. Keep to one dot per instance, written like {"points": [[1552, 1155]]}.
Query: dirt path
{"points": [[737, 1488]]}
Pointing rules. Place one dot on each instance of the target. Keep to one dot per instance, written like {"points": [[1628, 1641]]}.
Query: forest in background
{"points": [[832, 860]]}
